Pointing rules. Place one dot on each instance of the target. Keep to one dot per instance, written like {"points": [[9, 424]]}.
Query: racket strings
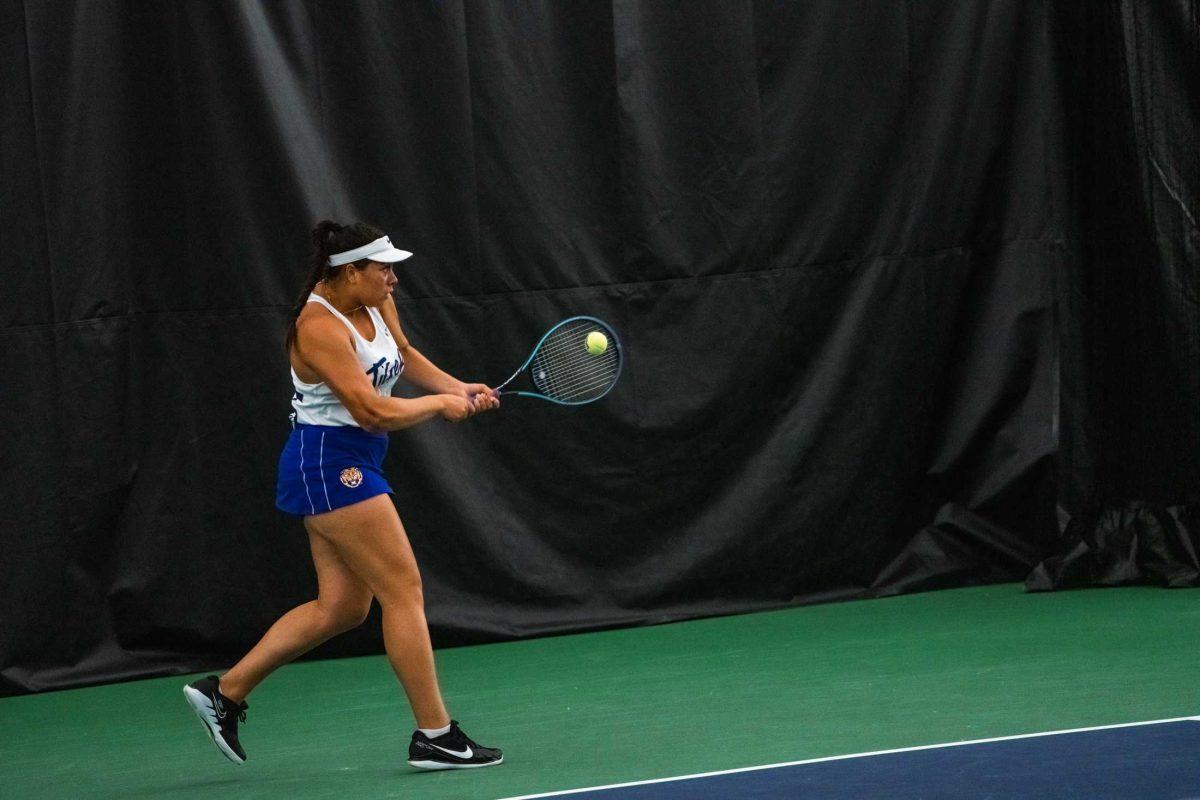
{"points": [[564, 370], [580, 388], [579, 378], [570, 377], [567, 340]]}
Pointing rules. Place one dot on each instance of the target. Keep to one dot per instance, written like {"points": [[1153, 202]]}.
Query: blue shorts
{"points": [[324, 467]]}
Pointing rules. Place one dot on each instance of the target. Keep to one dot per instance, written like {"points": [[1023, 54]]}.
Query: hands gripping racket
{"points": [[578, 361]]}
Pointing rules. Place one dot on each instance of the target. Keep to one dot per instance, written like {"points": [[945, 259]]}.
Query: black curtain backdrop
{"points": [[1130, 300], [903, 289]]}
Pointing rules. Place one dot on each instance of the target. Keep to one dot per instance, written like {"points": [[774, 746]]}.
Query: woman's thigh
{"points": [[370, 540], [339, 589]]}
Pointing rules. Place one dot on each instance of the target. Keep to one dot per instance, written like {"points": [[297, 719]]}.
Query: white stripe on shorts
{"points": [[323, 486], [310, 502]]}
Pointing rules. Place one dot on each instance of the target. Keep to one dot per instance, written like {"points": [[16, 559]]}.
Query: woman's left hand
{"points": [[481, 396]]}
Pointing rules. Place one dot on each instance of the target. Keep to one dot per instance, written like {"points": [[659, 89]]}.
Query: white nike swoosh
{"points": [[464, 754]]}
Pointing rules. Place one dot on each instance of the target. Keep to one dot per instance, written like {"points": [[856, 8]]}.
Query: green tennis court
{"points": [[637, 704]]}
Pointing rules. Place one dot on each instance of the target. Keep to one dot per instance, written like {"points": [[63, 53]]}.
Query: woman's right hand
{"points": [[455, 408]]}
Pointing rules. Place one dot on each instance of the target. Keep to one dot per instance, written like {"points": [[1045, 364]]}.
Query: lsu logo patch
{"points": [[351, 477]]}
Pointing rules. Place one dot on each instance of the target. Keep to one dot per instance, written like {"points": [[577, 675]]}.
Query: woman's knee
{"points": [[402, 588], [339, 617]]}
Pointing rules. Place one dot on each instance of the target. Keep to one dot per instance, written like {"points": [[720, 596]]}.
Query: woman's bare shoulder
{"points": [[317, 321]]}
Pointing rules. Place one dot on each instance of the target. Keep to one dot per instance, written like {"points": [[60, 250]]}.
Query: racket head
{"points": [[564, 372]]}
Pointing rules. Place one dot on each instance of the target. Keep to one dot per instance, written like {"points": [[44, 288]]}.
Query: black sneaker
{"points": [[451, 750], [218, 714]]}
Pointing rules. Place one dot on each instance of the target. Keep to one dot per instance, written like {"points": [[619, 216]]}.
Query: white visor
{"points": [[379, 250]]}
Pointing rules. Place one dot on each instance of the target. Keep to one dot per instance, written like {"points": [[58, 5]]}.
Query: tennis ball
{"points": [[597, 343]]}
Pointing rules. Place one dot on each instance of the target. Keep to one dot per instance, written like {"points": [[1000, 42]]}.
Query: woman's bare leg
{"points": [[371, 541], [342, 603]]}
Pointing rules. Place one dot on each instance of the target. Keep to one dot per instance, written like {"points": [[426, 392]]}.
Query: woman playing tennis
{"points": [[347, 349]]}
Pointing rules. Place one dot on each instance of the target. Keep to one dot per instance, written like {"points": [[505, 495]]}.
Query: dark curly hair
{"points": [[330, 237]]}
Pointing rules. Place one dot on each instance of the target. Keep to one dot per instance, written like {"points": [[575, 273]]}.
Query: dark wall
{"points": [[830, 233]]}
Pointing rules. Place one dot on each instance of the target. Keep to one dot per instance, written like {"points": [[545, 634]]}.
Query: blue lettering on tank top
{"points": [[381, 371]]}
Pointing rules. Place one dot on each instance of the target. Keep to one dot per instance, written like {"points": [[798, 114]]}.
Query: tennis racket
{"points": [[562, 368]]}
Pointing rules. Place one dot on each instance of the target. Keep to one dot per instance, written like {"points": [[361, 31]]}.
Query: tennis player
{"points": [[347, 350]]}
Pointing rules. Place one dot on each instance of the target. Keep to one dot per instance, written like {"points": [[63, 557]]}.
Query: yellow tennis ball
{"points": [[597, 343]]}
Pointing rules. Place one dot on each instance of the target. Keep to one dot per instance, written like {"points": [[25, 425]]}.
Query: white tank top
{"points": [[316, 404]]}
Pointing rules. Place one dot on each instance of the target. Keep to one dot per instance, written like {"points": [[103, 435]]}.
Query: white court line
{"points": [[854, 755]]}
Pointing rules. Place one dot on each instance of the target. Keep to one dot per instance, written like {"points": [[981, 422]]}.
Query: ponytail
{"points": [[329, 237]]}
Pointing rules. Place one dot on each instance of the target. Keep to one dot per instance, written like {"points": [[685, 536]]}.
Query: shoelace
{"points": [[240, 710], [463, 738]]}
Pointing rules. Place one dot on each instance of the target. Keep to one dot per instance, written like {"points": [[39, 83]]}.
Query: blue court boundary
{"points": [[850, 756]]}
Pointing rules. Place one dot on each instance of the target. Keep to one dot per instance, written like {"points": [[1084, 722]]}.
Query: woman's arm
{"points": [[324, 345], [418, 369]]}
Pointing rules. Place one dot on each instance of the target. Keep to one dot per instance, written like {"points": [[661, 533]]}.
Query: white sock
{"points": [[433, 733]]}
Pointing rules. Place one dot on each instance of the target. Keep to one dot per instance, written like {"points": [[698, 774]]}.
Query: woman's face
{"points": [[375, 282]]}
